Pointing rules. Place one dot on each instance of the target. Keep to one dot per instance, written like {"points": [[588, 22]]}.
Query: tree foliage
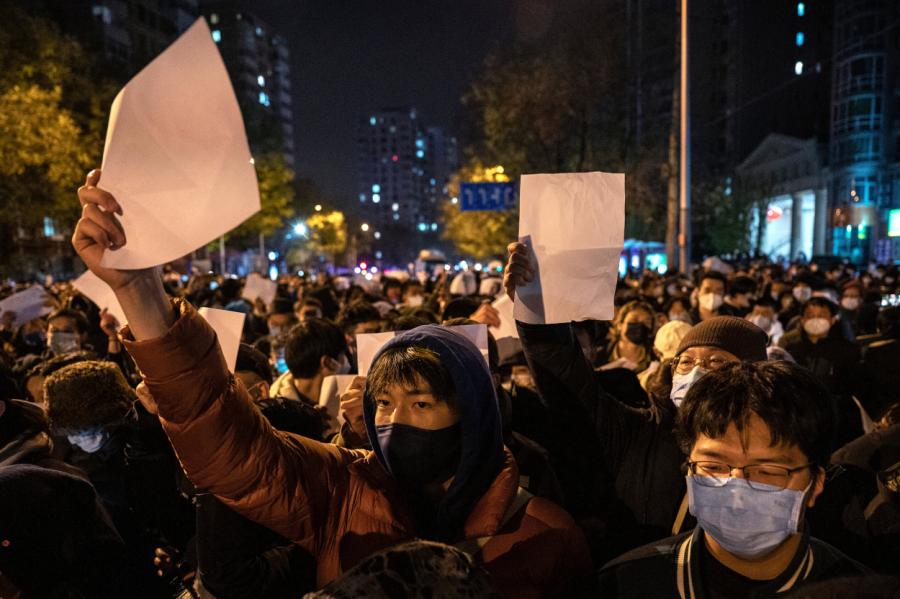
{"points": [[722, 218], [276, 198], [327, 233], [478, 234]]}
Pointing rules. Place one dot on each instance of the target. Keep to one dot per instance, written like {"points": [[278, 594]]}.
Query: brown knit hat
{"points": [[735, 335], [86, 395]]}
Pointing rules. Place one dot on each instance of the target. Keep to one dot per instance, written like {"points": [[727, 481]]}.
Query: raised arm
{"points": [[223, 442]]}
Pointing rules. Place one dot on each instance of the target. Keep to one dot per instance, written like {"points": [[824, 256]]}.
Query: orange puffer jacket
{"points": [[339, 504]]}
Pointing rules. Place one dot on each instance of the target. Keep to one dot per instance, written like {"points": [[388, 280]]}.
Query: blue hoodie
{"points": [[482, 441]]}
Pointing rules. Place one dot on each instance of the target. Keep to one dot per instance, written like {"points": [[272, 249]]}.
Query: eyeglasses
{"points": [[762, 477], [685, 364]]}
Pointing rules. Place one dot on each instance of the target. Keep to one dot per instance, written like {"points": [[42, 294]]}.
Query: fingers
{"points": [[87, 234], [358, 382], [89, 193], [517, 247], [107, 222]]}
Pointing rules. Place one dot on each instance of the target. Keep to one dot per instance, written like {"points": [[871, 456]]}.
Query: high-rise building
{"points": [[441, 161], [258, 62]]}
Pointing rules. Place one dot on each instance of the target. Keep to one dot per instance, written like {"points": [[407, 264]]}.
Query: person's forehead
{"points": [[852, 291], [817, 311], [758, 308], [752, 444], [708, 351], [63, 322], [712, 283], [638, 315]]}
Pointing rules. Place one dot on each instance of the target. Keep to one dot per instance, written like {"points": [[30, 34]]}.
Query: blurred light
{"points": [[420, 143], [446, 267], [273, 255], [800, 38], [801, 9], [261, 80], [478, 266], [396, 216], [463, 264], [798, 67], [273, 272], [301, 273], [364, 226], [363, 265], [662, 269], [264, 99], [454, 200], [376, 198], [217, 35], [395, 158], [373, 120], [635, 261], [377, 234], [378, 255], [318, 208], [395, 207], [368, 276], [300, 229], [376, 188], [259, 31], [213, 18], [434, 226], [374, 269], [362, 197], [357, 270], [420, 154], [422, 227]]}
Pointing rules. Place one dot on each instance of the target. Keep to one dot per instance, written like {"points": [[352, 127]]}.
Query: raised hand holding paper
{"points": [[101, 294], [228, 327], [574, 227], [176, 155]]}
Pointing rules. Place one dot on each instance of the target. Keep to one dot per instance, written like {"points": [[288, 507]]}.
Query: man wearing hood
{"points": [[438, 469], [637, 445]]}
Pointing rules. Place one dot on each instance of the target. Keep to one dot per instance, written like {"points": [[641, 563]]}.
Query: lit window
{"points": [[395, 158], [378, 255], [264, 99], [395, 207], [377, 234], [373, 120], [420, 154], [434, 226], [214, 18], [259, 32], [801, 9], [362, 197], [376, 198], [376, 188], [49, 227], [800, 38], [422, 227], [261, 80], [396, 216], [216, 35], [798, 67], [420, 143]]}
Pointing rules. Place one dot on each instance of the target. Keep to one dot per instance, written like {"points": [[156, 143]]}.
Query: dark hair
{"points": [[308, 341], [678, 299], [250, 359], [356, 313], [788, 398], [307, 301], [820, 302], [742, 285], [406, 323], [81, 321], [230, 289], [715, 275], [404, 366], [390, 283], [461, 307], [766, 302]]}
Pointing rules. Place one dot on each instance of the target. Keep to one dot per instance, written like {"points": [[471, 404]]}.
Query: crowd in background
{"points": [[95, 490]]}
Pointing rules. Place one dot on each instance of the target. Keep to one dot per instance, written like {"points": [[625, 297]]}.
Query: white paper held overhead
{"points": [[176, 155], [259, 287], [574, 226], [369, 344], [27, 305], [93, 288], [228, 326]]}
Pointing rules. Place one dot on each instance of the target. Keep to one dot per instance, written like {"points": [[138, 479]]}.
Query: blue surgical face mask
{"points": [[682, 382], [417, 456], [89, 441], [744, 521]]}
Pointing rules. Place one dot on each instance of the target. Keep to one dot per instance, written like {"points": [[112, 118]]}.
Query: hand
{"points": [[99, 230], [351, 409], [109, 324], [518, 268], [8, 319], [146, 399], [486, 314]]}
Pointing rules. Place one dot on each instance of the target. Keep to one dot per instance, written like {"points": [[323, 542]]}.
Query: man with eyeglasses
{"points": [[757, 437], [635, 447]]}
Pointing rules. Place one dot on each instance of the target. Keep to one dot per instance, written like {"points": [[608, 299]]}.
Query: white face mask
{"points": [[710, 301], [682, 382], [681, 316], [850, 303], [763, 322], [90, 441], [817, 327], [414, 301]]}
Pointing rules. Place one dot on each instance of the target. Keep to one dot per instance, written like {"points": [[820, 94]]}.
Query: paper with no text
{"points": [[27, 305], [368, 344], [228, 326], [259, 287], [176, 155], [574, 227], [507, 328], [93, 288], [330, 396]]}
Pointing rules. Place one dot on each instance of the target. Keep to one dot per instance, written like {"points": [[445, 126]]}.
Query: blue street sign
{"points": [[487, 196]]}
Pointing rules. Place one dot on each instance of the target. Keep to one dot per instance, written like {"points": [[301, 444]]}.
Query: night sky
{"points": [[352, 56]]}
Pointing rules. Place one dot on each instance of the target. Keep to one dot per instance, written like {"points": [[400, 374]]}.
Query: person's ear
{"points": [[327, 363], [818, 486]]}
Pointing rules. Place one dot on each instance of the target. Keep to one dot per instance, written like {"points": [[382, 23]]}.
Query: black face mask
{"points": [[417, 456], [638, 333]]}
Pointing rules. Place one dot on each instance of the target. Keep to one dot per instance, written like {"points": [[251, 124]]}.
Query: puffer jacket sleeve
{"points": [[225, 445]]}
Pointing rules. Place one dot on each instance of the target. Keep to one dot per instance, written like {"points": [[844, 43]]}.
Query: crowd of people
{"points": [[734, 431]]}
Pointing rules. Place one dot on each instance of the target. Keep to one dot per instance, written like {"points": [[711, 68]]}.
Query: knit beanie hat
{"points": [[734, 335], [87, 395]]}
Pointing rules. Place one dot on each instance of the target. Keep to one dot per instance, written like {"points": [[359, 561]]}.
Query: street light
{"points": [[318, 208], [300, 229], [364, 227]]}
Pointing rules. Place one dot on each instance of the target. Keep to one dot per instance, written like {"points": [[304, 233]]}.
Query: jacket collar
{"points": [[692, 550]]}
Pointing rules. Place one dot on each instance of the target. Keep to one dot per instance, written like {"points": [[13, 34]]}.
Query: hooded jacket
{"points": [[340, 504]]}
